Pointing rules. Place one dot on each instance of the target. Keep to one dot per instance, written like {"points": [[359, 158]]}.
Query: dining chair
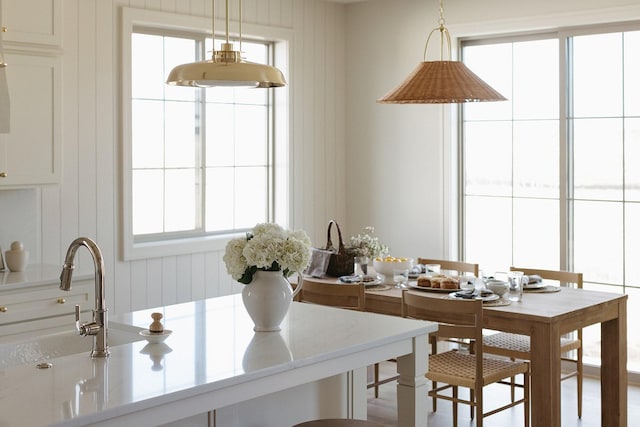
{"points": [[455, 266], [517, 346], [348, 296], [456, 368]]}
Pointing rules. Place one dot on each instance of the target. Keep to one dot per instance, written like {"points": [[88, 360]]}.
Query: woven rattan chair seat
{"points": [[519, 346], [457, 368]]}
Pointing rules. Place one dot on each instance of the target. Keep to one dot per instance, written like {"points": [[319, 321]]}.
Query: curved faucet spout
{"points": [[97, 328]]}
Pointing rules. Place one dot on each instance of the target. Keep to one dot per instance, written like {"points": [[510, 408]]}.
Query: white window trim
{"points": [[283, 39]]}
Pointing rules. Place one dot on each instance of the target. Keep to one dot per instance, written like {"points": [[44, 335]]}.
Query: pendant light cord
{"points": [[227, 20], [213, 28], [240, 26]]}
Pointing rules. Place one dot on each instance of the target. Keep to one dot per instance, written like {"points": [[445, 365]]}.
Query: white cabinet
{"points": [[32, 300], [30, 153], [36, 22]]}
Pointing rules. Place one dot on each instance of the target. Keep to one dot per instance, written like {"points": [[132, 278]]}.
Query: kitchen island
{"points": [[214, 370]]}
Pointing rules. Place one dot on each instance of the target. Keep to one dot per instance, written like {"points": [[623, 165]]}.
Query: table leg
{"points": [[412, 385], [545, 375], [613, 373]]}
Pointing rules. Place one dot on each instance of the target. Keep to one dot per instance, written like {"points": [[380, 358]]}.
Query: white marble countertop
{"points": [[212, 347]]}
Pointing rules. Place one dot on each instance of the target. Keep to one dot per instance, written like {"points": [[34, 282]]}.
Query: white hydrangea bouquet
{"points": [[267, 247], [366, 244]]}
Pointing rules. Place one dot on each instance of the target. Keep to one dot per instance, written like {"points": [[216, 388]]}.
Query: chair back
{"points": [[350, 296], [458, 266], [564, 277], [456, 318]]}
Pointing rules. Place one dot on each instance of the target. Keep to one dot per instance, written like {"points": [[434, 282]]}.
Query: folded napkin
{"points": [[474, 293], [534, 278]]}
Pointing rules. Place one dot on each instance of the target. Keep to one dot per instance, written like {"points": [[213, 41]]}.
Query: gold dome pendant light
{"points": [[226, 66], [441, 82]]}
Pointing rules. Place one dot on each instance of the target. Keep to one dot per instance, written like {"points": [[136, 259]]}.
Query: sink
{"points": [[56, 342]]}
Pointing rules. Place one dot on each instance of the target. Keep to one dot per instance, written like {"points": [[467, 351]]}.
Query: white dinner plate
{"points": [[492, 297], [348, 280]]}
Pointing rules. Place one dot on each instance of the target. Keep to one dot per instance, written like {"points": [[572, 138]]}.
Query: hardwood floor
{"points": [[383, 409]]}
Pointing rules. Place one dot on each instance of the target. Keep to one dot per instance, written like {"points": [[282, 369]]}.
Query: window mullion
{"points": [[565, 162]]}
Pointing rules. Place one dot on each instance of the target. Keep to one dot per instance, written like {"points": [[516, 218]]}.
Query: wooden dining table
{"points": [[545, 317]]}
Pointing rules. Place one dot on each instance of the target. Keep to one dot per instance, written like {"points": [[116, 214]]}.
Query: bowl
{"points": [[385, 267], [498, 287]]}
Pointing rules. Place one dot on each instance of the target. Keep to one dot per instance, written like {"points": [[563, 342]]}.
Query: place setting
{"points": [[373, 282], [536, 284]]}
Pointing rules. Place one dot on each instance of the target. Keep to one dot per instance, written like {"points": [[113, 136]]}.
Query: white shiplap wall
{"points": [[88, 203]]}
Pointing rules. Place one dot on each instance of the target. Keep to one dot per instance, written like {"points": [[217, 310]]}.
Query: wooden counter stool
{"points": [[339, 423]]}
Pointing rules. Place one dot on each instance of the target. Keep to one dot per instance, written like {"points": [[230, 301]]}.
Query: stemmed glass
{"points": [[401, 278]]}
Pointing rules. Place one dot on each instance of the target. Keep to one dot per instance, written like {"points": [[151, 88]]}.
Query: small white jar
{"points": [[16, 258]]}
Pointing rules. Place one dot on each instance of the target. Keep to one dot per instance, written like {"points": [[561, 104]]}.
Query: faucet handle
{"points": [[79, 326]]}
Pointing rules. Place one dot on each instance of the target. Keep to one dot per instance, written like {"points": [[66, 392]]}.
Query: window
{"points": [[200, 164], [550, 177], [197, 152]]}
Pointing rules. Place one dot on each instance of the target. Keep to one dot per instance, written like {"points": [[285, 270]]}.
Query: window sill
{"points": [[136, 251]]}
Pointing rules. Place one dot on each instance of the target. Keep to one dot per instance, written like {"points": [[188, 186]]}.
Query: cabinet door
{"points": [[30, 153], [32, 21]]}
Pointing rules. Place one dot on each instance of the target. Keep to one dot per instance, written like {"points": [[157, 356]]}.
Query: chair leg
{"points": [[527, 401], [579, 381], [454, 405], [376, 378], [473, 399], [478, 405], [434, 384], [513, 386]]}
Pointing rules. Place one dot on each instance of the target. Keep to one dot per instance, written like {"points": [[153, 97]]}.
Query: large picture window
{"points": [[199, 164], [197, 153], [550, 177]]}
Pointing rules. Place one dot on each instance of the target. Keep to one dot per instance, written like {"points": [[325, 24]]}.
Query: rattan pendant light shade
{"points": [[441, 82]]}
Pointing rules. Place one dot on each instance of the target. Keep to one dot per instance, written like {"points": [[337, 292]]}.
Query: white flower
{"points": [[267, 247], [365, 244]]}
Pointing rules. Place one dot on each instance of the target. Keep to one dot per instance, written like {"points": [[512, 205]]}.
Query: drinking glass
{"points": [[361, 266], [515, 285], [401, 277], [432, 269]]}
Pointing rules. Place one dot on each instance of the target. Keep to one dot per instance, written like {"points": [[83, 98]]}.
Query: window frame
{"points": [[168, 23]]}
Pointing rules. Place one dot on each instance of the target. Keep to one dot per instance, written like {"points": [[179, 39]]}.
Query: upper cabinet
{"points": [[36, 22], [30, 152]]}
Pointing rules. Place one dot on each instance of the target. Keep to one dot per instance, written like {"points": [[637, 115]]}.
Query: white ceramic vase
{"points": [[267, 299]]}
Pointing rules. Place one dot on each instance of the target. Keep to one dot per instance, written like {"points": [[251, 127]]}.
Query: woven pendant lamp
{"points": [[441, 82], [226, 66]]}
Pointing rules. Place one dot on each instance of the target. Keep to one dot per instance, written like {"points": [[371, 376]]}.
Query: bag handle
{"points": [[329, 246]]}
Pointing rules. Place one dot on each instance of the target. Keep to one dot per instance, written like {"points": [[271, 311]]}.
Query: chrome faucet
{"points": [[98, 327]]}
